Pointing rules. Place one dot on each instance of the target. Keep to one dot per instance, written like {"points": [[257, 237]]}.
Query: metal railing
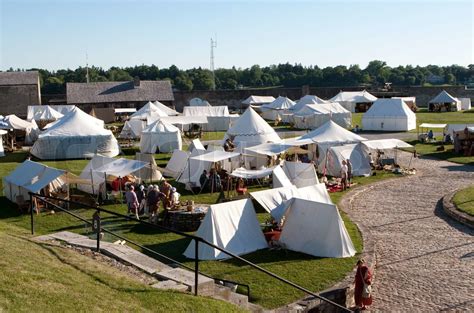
{"points": [[196, 239]]}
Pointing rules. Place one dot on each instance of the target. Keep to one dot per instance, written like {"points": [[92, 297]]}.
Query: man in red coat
{"points": [[363, 277]]}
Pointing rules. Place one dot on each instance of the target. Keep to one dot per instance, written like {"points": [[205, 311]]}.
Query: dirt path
{"points": [[425, 261]]}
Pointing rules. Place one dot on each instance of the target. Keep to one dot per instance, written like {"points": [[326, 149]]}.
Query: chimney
{"points": [[136, 82]]}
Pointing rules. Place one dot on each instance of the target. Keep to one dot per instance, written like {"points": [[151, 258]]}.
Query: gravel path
{"points": [[425, 261]]}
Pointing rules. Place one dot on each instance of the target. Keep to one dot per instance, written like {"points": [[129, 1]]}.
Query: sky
{"points": [[59, 34]]}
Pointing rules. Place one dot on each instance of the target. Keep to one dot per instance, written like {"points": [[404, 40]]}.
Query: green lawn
{"points": [[314, 273], [43, 278], [464, 200], [429, 149]]}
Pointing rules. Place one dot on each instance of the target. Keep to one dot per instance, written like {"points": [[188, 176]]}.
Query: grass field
{"points": [[313, 273], [429, 149], [464, 200], [42, 278]]}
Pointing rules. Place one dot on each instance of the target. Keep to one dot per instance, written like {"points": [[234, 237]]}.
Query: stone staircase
{"points": [[173, 278]]}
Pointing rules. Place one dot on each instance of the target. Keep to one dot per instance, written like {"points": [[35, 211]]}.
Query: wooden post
{"points": [[196, 266]]}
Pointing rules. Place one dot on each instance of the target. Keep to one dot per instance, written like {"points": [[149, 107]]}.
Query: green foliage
{"points": [[464, 200]]}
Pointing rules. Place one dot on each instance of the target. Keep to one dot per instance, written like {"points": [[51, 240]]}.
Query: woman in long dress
{"points": [[362, 275]]}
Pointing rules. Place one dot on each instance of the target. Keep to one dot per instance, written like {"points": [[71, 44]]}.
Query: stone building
{"points": [[18, 90], [130, 94]]}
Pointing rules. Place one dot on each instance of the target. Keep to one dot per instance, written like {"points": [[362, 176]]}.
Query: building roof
{"points": [[19, 78], [103, 92]]}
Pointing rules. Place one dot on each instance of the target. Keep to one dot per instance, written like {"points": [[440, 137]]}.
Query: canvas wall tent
{"points": [[316, 229], [64, 108], [451, 128], [2, 132], [358, 155], [389, 115], [149, 173], [410, 101], [31, 176], [169, 111], [42, 113], [149, 110], [274, 110], [232, 226], [465, 103], [312, 116], [444, 99], [198, 102], [160, 136], [37, 110], [354, 101], [329, 134], [177, 163], [99, 167], [132, 129], [258, 100], [383, 144], [308, 99], [76, 135], [218, 117], [250, 130], [196, 144], [271, 198], [13, 122]]}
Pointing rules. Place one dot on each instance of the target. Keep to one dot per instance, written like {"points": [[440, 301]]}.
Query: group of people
{"points": [[141, 200], [212, 181]]}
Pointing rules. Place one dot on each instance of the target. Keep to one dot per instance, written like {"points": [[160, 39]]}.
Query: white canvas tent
{"points": [[160, 136], [444, 98], [149, 110], [358, 155], [349, 99], [250, 130], [312, 116], [42, 113], [177, 163], [382, 144], [132, 129], [99, 167], [149, 173], [196, 144], [218, 117], [232, 226], [2, 132], [305, 100], [76, 135], [451, 128], [206, 111], [258, 100], [316, 229], [389, 115], [31, 176], [13, 122], [169, 111], [274, 110], [300, 174], [465, 103]]}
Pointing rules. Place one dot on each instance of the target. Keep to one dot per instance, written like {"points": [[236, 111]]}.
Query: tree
{"points": [[183, 82]]}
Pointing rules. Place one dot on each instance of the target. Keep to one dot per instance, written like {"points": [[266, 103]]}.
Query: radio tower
{"points": [[213, 45]]}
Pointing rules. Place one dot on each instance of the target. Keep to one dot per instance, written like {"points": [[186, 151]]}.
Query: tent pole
{"points": [[92, 183]]}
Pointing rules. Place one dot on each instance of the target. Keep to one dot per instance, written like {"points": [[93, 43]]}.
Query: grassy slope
{"points": [[464, 200], [54, 279]]}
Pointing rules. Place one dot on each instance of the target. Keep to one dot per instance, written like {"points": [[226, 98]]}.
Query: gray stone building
{"points": [[18, 90], [131, 94]]}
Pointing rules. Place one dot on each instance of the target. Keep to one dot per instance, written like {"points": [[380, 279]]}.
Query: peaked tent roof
{"points": [[148, 110], [322, 108], [330, 132], [258, 100], [177, 163], [354, 96], [169, 111], [356, 153], [317, 229], [443, 97], [252, 128], [390, 108], [160, 126], [280, 103], [300, 174], [132, 128], [232, 226], [308, 99], [76, 123], [43, 113]]}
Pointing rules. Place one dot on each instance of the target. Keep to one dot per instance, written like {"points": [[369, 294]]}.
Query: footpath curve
{"points": [[424, 259]]}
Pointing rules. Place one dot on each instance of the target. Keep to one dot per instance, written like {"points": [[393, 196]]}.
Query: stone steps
{"points": [[171, 278]]}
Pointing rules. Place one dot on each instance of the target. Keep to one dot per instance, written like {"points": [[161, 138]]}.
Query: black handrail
{"points": [[197, 240], [216, 279]]}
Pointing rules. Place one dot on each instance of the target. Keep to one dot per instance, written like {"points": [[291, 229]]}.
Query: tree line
{"points": [[377, 73]]}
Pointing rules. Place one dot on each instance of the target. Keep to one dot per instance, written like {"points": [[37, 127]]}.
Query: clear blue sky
{"points": [[57, 34]]}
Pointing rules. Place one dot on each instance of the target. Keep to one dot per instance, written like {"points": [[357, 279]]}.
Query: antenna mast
{"points": [[87, 68], [213, 45]]}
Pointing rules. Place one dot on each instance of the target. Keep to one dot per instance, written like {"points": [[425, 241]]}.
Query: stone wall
{"points": [[15, 99], [233, 98]]}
